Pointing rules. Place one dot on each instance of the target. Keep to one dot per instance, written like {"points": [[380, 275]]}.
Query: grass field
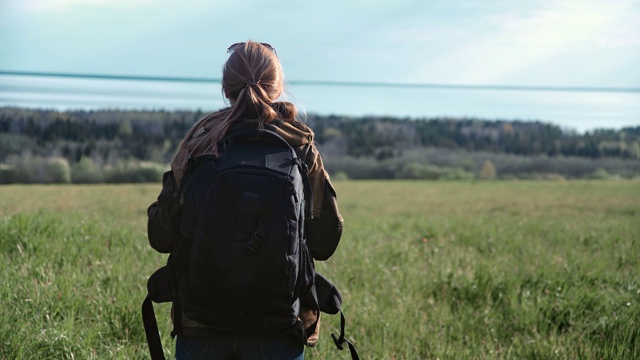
{"points": [[427, 270]]}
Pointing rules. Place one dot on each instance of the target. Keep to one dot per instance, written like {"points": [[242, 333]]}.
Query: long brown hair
{"points": [[252, 80]]}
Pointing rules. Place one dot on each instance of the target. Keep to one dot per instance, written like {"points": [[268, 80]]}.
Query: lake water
{"points": [[579, 111]]}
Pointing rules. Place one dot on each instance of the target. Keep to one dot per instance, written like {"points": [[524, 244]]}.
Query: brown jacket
{"points": [[323, 229]]}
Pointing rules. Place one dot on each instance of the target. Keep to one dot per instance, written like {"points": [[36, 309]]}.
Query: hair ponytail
{"points": [[252, 79]]}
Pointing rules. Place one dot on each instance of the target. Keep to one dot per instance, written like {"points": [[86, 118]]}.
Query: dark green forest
{"points": [[41, 146]]}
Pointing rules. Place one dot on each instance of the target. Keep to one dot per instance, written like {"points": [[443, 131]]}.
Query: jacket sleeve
{"points": [[324, 227], [163, 226]]}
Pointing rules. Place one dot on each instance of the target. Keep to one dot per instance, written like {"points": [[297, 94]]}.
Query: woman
{"points": [[252, 81]]}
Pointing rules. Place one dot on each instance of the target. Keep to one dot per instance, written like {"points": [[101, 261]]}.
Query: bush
{"points": [[340, 176], [554, 177], [36, 170], [134, 172], [600, 174], [57, 171], [358, 168], [415, 170], [86, 171], [457, 174], [488, 171]]}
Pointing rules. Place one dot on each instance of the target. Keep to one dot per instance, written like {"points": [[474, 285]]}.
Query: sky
{"points": [[566, 43]]}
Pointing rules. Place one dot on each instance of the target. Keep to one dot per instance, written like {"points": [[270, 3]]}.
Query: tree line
{"points": [[126, 145], [384, 136]]}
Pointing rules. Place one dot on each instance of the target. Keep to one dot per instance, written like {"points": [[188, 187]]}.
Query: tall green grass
{"points": [[427, 270]]}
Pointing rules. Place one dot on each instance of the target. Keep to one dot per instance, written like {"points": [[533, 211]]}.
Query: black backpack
{"points": [[242, 261]]}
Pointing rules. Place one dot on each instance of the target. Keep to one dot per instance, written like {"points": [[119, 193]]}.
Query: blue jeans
{"points": [[229, 347]]}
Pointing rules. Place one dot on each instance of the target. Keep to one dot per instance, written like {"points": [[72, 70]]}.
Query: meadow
{"points": [[427, 270]]}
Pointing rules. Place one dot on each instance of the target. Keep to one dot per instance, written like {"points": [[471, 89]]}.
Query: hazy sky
{"points": [[524, 42]]}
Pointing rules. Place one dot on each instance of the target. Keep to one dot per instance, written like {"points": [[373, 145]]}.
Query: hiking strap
{"points": [[151, 330], [192, 163], [177, 320], [306, 182], [185, 177], [339, 341], [330, 302]]}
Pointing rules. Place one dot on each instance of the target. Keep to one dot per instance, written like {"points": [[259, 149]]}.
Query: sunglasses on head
{"points": [[237, 45]]}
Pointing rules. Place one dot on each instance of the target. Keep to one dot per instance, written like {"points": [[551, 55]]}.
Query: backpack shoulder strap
{"points": [[151, 330], [192, 163], [160, 289]]}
